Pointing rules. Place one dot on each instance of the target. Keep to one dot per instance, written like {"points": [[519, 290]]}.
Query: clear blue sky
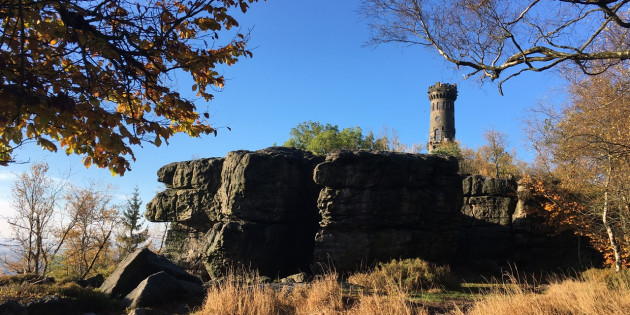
{"points": [[310, 63]]}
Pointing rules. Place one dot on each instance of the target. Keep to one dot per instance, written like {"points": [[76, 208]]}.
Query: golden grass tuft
{"points": [[569, 296], [323, 296], [394, 301], [235, 296]]}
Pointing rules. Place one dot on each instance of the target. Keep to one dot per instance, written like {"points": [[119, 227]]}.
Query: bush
{"points": [[407, 274]]}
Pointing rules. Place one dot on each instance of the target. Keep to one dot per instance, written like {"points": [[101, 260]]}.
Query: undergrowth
{"points": [[411, 275], [22, 289]]}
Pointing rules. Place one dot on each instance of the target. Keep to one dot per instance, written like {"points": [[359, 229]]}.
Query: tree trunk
{"points": [[609, 230], [97, 254]]}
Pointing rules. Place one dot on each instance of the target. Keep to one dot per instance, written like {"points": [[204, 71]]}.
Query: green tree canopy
{"points": [[94, 77], [322, 139]]}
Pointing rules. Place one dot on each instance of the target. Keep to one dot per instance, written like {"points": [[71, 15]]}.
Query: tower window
{"points": [[436, 135]]}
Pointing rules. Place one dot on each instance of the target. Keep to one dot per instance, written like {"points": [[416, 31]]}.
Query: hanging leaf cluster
{"points": [[96, 77]]}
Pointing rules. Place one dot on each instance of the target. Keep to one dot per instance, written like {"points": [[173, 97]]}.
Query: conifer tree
{"points": [[134, 234]]}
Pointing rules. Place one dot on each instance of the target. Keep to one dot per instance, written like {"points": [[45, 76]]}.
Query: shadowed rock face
{"points": [[378, 206], [500, 224], [282, 210]]}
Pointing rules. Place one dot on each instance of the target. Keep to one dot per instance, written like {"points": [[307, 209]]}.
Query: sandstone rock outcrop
{"points": [[501, 224], [383, 205], [488, 206], [282, 211], [254, 209]]}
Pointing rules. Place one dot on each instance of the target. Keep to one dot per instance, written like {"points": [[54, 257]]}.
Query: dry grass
{"points": [[394, 301], [586, 296], [323, 296], [235, 296], [596, 292]]}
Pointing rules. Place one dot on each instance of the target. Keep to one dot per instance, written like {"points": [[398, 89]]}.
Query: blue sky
{"points": [[310, 63]]}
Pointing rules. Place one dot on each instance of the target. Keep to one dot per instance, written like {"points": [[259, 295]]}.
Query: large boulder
{"points": [[273, 185], [198, 174], [191, 187], [161, 288], [136, 267]]}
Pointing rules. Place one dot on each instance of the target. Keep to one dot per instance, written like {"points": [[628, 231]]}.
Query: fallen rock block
{"points": [[138, 266], [160, 288]]}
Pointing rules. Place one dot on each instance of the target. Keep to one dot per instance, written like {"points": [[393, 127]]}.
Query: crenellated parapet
{"points": [[443, 91]]}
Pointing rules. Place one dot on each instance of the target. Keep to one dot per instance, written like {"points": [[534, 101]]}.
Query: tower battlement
{"points": [[443, 90]]}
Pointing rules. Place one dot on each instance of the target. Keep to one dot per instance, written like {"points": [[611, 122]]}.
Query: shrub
{"points": [[17, 279], [407, 274]]}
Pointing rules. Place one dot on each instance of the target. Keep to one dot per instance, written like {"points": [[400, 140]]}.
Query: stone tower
{"points": [[442, 125]]}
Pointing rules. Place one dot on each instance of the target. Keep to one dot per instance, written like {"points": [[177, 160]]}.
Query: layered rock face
{"points": [[378, 206], [488, 208], [501, 224], [252, 209], [282, 211]]}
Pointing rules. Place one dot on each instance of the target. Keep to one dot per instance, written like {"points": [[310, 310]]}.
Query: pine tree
{"points": [[134, 234]]}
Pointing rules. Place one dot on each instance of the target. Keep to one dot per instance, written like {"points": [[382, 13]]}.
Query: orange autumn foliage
{"points": [[95, 77], [563, 210]]}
